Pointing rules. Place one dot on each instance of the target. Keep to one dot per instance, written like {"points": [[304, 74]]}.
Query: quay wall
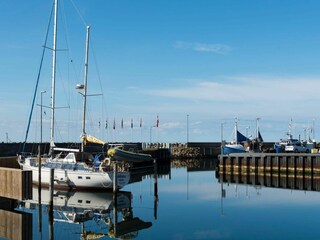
{"points": [[176, 150], [293, 171]]}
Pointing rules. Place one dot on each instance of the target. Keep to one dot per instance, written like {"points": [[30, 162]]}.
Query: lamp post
{"points": [[222, 140], [187, 128], [42, 92]]}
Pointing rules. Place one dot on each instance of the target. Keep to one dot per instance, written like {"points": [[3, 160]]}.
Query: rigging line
{"points": [[104, 105], [38, 78], [79, 13]]}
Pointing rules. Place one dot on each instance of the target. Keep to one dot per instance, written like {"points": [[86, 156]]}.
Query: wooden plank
{"points": [[15, 183], [11, 225]]}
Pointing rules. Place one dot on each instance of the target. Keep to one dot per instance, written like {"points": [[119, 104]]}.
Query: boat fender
{"points": [[111, 152], [105, 162]]}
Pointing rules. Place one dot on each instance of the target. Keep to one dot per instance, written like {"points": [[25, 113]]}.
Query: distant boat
{"points": [[72, 169], [291, 144], [235, 146]]}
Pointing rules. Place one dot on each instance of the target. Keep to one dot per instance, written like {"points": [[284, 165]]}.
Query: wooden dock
{"points": [[14, 224], [14, 182], [293, 171]]}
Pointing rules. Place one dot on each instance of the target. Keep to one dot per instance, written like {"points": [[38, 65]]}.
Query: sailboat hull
{"points": [[64, 179]]}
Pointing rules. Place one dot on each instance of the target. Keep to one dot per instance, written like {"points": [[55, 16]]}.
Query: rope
{"points": [[37, 83]]}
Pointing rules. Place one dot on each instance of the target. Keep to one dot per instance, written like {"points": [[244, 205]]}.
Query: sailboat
{"points": [[235, 146], [72, 168]]}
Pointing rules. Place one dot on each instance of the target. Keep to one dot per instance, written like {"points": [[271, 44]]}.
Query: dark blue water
{"points": [[185, 202]]}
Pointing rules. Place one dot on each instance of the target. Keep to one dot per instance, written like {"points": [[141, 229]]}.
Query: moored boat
{"points": [[235, 146], [72, 168]]}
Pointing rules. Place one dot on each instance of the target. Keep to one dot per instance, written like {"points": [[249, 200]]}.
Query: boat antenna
{"points": [[37, 82]]}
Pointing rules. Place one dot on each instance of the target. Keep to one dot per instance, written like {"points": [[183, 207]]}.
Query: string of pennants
{"points": [[131, 123]]}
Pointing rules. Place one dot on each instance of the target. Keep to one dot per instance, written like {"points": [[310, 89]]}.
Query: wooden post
{"points": [[51, 186], [155, 203], [115, 212], [39, 192], [295, 172], [115, 179], [312, 171]]}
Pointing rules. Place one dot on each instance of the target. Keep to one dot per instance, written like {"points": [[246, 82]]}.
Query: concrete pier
{"points": [[293, 171]]}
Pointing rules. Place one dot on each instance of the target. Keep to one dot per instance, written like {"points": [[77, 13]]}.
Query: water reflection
{"points": [[134, 213], [88, 214], [107, 214], [195, 164], [297, 181]]}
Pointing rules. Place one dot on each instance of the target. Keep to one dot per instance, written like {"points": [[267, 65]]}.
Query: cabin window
{"points": [[88, 201], [79, 177], [79, 201], [79, 167], [88, 177]]}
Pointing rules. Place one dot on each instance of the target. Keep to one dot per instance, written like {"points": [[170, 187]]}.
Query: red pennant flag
{"points": [[122, 123], [114, 124], [140, 122], [131, 123]]}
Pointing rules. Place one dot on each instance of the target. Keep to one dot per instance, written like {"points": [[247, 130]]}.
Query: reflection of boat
{"points": [[96, 212], [78, 206], [235, 146], [73, 170]]}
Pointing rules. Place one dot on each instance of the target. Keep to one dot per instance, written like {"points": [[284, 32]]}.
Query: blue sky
{"points": [[213, 60]]}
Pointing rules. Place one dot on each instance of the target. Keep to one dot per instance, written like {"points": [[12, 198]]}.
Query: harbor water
{"points": [[183, 199]]}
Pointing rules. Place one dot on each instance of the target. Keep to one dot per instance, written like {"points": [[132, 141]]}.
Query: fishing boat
{"points": [[234, 146], [72, 168]]}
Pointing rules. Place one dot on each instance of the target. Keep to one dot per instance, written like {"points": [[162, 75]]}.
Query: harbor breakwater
{"points": [[172, 150]]}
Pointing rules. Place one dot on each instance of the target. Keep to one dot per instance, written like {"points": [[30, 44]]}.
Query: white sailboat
{"points": [[72, 168]]}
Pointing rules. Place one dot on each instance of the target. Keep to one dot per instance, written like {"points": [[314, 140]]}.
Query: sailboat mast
{"points": [[85, 87], [236, 130], [257, 128], [54, 59]]}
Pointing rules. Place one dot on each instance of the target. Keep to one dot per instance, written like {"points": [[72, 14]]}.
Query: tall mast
{"points": [[85, 88], [257, 128], [236, 130], [54, 57]]}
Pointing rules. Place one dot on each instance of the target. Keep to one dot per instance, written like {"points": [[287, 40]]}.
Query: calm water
{"points": [[185, 200]]}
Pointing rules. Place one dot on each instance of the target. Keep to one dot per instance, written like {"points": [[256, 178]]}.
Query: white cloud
{"points": [[245, 97], [204, 47], [244, 89]]}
